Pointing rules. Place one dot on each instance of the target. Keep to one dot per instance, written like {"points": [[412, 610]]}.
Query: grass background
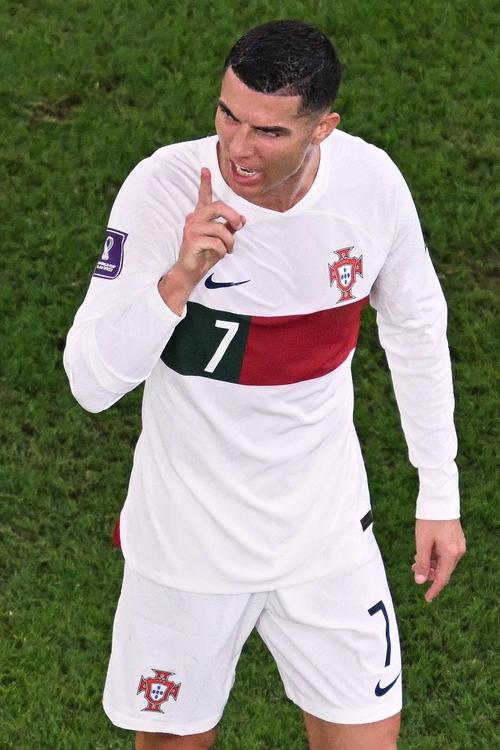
{"points": [[88, 88]]}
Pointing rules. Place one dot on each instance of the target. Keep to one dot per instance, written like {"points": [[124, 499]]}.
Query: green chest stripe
{"points": [[208, 343]]}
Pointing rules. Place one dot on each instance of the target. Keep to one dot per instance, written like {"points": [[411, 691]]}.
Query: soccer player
{"points": [[232, 279]]}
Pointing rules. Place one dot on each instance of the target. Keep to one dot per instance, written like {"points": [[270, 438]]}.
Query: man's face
{"points": [[265, 147]]}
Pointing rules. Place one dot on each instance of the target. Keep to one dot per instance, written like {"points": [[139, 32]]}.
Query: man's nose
{"points": [[241, 143]]}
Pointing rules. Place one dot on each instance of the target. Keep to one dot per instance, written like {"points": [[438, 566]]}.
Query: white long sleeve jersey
{"points": [[248, 474]]}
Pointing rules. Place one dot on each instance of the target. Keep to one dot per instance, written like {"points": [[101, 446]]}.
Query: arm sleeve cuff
{"points": [[438, 497]]}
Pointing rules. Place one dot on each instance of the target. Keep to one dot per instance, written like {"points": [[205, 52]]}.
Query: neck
{"points": [[289, 194]]}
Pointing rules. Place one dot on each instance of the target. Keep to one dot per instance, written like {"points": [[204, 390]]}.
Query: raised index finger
{"points": [[205, 189]]}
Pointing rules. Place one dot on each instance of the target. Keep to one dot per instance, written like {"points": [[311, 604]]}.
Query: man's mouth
{"points": [[244, 170], [244, 175]]}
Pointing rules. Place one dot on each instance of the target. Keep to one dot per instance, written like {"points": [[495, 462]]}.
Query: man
{"points": [[232, 280]]}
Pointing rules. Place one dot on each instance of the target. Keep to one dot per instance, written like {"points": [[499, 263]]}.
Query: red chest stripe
{"points": [[291, 348], [254, 350]]}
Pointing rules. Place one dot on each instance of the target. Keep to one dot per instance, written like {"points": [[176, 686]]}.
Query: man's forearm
{"points": [[174, 288], [109, 352]]}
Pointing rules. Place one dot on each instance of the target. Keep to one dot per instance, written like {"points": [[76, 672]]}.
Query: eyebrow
{"points": [[262, 128]]}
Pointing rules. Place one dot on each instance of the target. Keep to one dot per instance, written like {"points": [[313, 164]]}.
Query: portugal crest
{"points": [[344, 271], [158, 689]]}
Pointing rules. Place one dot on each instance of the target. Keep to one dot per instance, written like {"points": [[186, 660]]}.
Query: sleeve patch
{"points": [[110, 262]]}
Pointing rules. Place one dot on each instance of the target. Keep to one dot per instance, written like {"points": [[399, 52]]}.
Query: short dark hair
{"points": [[288, 58]]}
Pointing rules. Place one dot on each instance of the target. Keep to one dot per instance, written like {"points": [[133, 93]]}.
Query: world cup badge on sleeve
{"points": [[158, 689], [344, 271], [110, 262]]}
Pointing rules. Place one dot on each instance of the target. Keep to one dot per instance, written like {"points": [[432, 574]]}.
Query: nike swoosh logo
{"points": [[210, 284], [383, 690]]}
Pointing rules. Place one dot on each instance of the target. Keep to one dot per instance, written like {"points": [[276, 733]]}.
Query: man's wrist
{"points": [[175, 288]]}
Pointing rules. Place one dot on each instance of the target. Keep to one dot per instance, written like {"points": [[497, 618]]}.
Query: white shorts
{"points": [[174, 654]]}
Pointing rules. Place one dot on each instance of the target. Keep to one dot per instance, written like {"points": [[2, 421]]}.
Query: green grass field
{"points": [[88, 88]]}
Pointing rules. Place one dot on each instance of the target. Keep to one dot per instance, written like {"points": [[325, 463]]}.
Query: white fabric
{"points": [[331, 652], [240, 488]]}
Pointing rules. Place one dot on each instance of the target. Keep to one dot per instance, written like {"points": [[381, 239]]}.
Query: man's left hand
{"points": [[440, 546]]}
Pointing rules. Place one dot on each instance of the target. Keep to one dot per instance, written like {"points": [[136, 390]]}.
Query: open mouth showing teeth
{"points": [[243, 170]]}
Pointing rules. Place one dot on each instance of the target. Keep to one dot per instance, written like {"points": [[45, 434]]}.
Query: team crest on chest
{"points": [[158, 689], [344, 271]]}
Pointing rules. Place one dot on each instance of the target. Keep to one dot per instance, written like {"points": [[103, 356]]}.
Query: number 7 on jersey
{"points": [[231, 330]]}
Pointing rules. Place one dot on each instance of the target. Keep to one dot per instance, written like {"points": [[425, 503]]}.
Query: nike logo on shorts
{"points": [[210, 284], [379, 691]]}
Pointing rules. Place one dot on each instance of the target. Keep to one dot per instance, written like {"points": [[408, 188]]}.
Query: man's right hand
{"points": [[205, 241]]}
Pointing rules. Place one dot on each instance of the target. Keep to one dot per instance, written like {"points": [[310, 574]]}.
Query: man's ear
{"points": [[325, 126]]}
